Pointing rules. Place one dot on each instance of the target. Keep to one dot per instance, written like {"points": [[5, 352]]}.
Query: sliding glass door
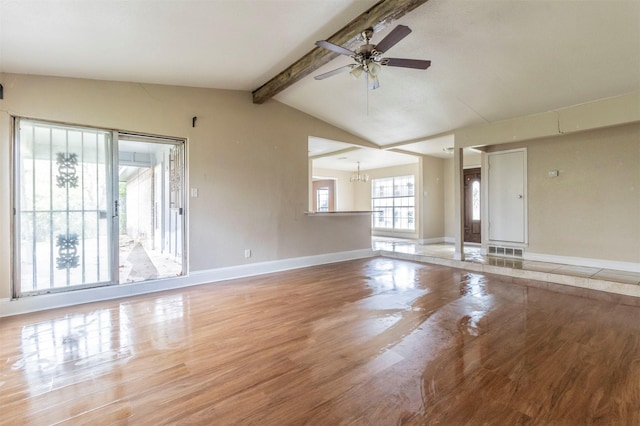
{"points": [[150, 225], [82, 216], [63, 212]]}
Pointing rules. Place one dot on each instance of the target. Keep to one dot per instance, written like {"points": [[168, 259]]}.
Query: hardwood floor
{"points": [[367, 342]]}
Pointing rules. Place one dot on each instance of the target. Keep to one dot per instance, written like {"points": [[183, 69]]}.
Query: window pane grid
{"points": [[393, 203], [322, 200]]}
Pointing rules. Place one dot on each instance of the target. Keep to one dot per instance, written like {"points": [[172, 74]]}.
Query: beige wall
{"points": [[592, 209], [249, 163], [617, 110], [449, 206], [432, 198]]}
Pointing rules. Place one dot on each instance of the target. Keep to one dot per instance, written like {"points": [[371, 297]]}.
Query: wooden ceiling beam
{"points": [[377, 17]]}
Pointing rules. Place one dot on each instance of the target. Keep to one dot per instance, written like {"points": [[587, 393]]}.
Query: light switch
{"points": [[553, 173], [194, 192]]}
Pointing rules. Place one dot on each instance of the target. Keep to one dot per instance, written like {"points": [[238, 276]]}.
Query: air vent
{"points": [[505, 251]]}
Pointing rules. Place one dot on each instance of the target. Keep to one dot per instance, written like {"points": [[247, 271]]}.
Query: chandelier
{"points": [[359, 177]]}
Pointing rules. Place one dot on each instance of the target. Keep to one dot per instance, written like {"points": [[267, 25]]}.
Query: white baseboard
{"points": [[242, 271], [582, 261], [395, 234], [76, 297], [450, 240], [431, 240]]}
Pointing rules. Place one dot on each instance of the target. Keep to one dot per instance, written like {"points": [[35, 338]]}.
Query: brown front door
{"points": [[472, 205], [323, 195]]}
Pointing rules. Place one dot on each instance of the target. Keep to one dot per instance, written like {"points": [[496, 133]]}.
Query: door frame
{"points": [[465, 171], [111, 164], [166, 140], [15, 181]]}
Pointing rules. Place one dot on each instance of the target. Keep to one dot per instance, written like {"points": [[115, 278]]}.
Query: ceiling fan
{"points": [[368, 57]]}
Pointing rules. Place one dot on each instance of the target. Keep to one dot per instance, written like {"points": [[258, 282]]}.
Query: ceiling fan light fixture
{"points": [[374, 69], [373, 82], [368, 57], [356, 71]]}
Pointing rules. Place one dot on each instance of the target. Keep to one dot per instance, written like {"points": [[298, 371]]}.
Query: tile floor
{"points": [[473, 256]]}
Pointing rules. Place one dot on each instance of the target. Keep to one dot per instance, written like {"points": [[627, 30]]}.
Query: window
{"points": [[393, 203], [475, 200], [323, 199]]}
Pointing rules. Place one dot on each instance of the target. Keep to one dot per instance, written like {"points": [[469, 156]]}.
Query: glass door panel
{"points": [[63, 199], [151, 219]]}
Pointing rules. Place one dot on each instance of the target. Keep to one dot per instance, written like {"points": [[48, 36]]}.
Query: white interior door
{"points": [[507, 196]]}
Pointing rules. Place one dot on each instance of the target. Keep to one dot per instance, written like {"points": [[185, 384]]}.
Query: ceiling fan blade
{"points": [[334, 72], [397, 34], [334, 47], [406, 63]]}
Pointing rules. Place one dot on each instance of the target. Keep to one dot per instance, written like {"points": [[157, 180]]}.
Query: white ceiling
{"points": [[491, 59], [335, 155], [225, 44]]}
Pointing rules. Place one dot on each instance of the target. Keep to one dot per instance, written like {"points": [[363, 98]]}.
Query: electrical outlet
{"points": [[247, 253]]}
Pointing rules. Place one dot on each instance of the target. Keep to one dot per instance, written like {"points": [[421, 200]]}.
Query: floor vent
{"points": [[505, 251]]}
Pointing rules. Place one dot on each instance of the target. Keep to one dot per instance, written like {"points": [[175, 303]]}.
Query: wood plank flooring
{"points": [[368, 342]]}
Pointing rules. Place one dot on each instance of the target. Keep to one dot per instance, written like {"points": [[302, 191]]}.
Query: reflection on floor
{"points": [[374, 341], [141, 263], [614, 281]]}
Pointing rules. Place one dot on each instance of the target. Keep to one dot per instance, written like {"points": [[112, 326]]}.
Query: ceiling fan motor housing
{"points": [[367, 54]]}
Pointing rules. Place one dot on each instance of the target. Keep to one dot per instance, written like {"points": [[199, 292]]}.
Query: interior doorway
{"points": [[472, 216]]}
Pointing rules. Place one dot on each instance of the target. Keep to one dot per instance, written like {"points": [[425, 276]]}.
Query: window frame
{"points": [[392, 198]]}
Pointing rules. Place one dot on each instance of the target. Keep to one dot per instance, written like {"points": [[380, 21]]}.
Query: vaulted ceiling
{"points": [[491, 59]]}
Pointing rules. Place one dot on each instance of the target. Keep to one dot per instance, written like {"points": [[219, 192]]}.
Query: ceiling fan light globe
{"points": [[373, 82], [374, 69], [356, 72]]}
